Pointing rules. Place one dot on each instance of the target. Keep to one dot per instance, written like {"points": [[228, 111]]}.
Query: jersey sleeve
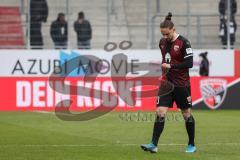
{"points": [[187, 49], [187, 57]]}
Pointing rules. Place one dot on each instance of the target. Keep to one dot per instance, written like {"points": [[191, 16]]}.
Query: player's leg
{"points": [[182, 96], [159, 124], [163, 102], [190, 127], [157, 130]]}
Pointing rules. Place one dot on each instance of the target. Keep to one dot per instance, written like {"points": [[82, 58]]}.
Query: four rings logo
{"points": [[213, 92]]}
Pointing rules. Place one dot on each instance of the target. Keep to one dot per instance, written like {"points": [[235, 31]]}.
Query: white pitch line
{"points": [[44, 112], [117, 144]]}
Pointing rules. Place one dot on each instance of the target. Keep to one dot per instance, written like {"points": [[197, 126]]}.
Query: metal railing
{"points": [[202, 31]]}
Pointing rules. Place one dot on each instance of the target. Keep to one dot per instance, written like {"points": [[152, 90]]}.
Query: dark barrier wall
{"points": [[230, 101]]}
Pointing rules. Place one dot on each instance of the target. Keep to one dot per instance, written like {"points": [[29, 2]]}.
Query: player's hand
{"points": [[166, 66]]}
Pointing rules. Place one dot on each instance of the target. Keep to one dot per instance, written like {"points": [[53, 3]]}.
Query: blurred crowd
{"points": [[223, 11], [83, 29], [58, 29]]}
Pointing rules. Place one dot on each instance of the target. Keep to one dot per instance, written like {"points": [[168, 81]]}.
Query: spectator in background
{"points": [[204, 64], [38, 14], [59, 32], [84, 31], [223, 22]]}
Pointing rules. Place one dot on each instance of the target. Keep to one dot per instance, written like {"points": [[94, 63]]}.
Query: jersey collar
{"points": [[175, 38]]}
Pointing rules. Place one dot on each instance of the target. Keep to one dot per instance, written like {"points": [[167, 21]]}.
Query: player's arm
{"points": [[187, 63], [187, 55]]}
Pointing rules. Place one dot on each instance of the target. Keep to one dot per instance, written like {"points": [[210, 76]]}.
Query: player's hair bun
{"points": [[169, 16]]}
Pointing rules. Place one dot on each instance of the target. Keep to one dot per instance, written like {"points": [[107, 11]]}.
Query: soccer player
{"points": [[177, 58]]}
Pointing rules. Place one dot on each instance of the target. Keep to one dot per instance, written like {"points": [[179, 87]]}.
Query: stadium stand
{"points": [[128, 19], [11, 34], [204, 21]]}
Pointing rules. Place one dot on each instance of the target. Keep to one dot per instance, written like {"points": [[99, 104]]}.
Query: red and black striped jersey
{"points": [[179, 55]]}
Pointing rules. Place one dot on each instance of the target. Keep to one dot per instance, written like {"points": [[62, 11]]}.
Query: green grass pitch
{"points": [[42, 136]]}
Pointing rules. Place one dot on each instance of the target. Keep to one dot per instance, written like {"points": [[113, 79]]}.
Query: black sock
{"points": [[190, 126], [157, 129]]}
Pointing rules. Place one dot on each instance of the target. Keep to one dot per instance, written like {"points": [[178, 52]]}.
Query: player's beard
{"points": [[169, 39]]}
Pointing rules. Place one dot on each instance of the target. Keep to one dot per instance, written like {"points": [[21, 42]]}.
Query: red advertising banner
{"points": [[237, 63], [36, 93]]}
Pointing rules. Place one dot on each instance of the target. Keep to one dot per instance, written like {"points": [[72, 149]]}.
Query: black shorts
{"points": [[180, 95]]}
